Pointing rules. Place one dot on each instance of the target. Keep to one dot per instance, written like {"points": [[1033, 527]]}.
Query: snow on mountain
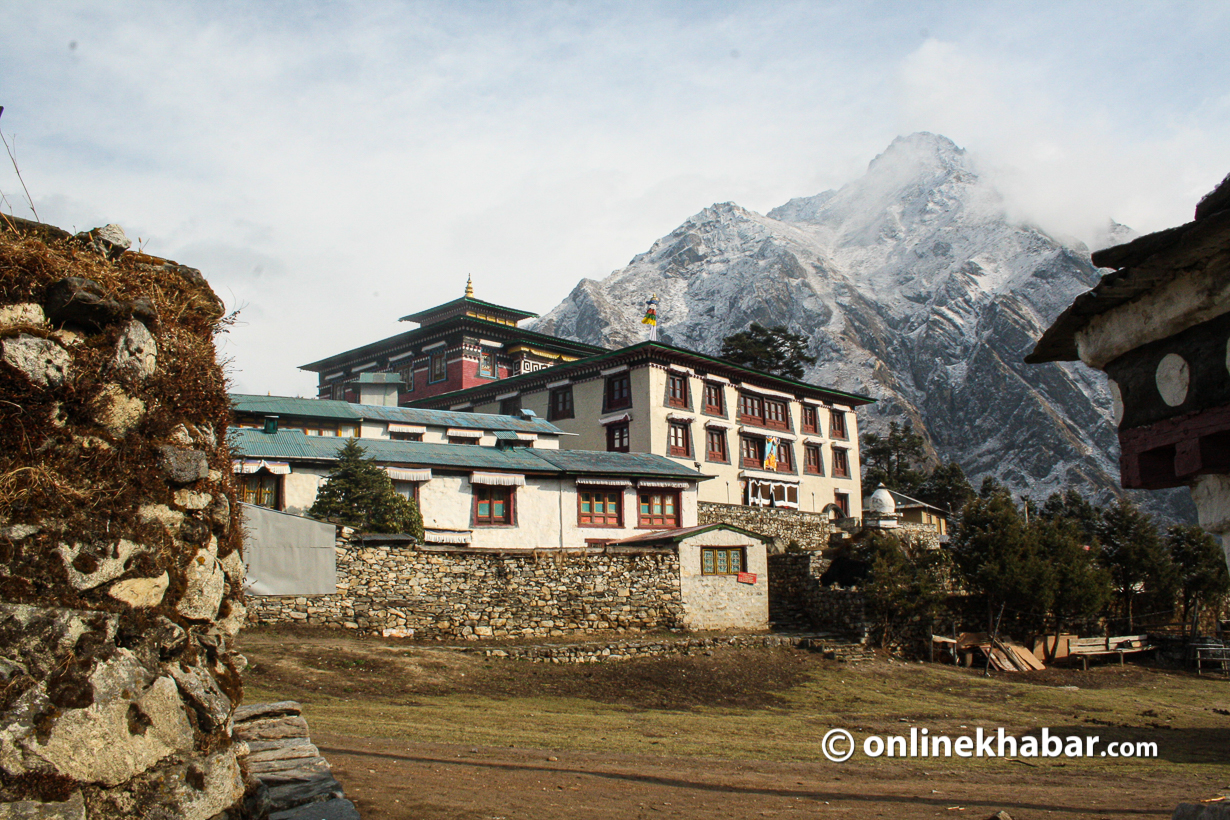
{"points": [[914, 288]]}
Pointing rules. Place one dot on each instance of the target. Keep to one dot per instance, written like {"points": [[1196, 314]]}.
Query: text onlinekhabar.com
{"points": [[838, 745]]}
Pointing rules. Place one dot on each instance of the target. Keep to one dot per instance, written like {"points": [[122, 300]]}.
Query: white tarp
{"points": [[288, 554]]}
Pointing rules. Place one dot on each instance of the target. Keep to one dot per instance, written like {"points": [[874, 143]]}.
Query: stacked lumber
{"points": [[281, 755]]}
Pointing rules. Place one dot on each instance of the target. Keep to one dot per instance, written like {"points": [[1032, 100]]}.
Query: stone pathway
{"points": [[281, 755]]}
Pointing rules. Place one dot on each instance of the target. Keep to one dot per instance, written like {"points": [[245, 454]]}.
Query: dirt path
{"points": [[393, 779]]}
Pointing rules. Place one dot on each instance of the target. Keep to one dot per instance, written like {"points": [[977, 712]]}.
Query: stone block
{"points": [[206, 583], [182, 465], [71, 809], [136, 352], [42, 361], [254, 711], [117, 412], [94, 565], [141, 593], [200, 689]]}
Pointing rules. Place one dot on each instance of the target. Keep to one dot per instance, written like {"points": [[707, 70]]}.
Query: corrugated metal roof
{"points": [[329, 409], [677, 535], [620, 464]]}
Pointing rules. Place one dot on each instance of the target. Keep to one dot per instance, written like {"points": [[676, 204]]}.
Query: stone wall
{"points": [[448, 593], [811, 531], [796, 597], [120, 569]]}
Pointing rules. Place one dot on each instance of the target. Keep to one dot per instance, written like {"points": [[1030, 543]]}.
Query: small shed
{"points": [[723, 574]]}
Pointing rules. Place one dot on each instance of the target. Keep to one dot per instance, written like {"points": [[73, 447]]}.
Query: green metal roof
{"points": [[677, 535], [285, 406], [288, 406], [467, 301], [296, 445]]}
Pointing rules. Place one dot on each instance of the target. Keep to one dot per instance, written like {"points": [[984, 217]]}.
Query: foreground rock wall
{"points": [[120, 570], [403, 590]]}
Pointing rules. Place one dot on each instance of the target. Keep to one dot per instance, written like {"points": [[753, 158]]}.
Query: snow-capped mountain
{"points": [[914, 288]]}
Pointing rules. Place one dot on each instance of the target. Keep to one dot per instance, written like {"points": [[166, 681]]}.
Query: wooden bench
{"points": [[1121, 645]]}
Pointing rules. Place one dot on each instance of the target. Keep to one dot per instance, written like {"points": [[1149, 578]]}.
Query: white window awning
{"points": [[604, 482], [498, 479], [764, 391], [402, 474], [680, 418], [670, 485], [622, 417], [250, 465], [394, 427], [447, 536], [527, 436], [454, 432], [718, 425]]}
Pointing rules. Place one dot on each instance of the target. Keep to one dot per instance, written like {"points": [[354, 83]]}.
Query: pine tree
{"points": [[890, 459], [1201, 564], [358, 494], [1080, 587], [774, 350], [947, 488], [1143, 573]]}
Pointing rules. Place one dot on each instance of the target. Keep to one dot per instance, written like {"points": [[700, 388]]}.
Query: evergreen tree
{"points": [[1143, 574], [774, 350], [1073, 506], [1080, 587], [358, 494], [903, 583], [890, 460], [946, 488], [1201, 564]]}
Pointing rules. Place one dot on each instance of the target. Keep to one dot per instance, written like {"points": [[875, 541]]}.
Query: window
{"points": [[676, 390], [751, 408], [337, 391], [837, 424], [785, 457], [776, 414], [407, 375], [492, 505], [486, 362], [811, 420], [679, 438], [260, 489], [751, 451], [600, 508], [842, 500], [510, 406], [715, 401], [617, 438], [715, 446], [813, 462], [659, 510], [559, 404], [406, 436], [618, 391], [439, 367], [841, 463], [722, 560], [464, 440]]}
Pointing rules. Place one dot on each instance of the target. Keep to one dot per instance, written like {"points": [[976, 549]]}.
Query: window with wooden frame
{"points": [[723, 560], [617, 438], [751, 408], [559, 403], [811, 419], [676, 390], [510, 406], [618, 391], [600, 507], [486, 363], [715, 399], [439, 367], [837, 424], [751, 452], [842, 500], [407, 375], [679, 438], [493, 505], [406, 436], [715, 446], [260, 489], [464, 440], [337, 391], [813, 460], [658, 509], [776, 414], [841, 463], [785, 457]]}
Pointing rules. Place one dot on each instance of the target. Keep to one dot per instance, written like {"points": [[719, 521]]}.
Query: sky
{"points": [[331, 167]]}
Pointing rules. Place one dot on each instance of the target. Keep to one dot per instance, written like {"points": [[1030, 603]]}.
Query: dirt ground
{"points": [[432, 731]]}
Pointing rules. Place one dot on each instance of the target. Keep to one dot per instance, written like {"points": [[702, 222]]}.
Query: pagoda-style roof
{"points": [[469, 306]]}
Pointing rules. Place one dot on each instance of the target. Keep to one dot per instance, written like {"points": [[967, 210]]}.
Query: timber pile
{"points": [[281, 755]]}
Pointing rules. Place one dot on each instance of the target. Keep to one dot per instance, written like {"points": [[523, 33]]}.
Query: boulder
{"points": [[78, 301], [41, 361], [136, 352], [202, 691], [108, 241], [182, 465], [24, 313], [141, 593]]}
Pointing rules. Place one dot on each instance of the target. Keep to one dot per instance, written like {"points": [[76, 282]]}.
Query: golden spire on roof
{"points": [[469, 287]]}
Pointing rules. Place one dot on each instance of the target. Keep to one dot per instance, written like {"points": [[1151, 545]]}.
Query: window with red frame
{"points": [[679, 438], [676, 390], [617, 438], [559, 405], [618, 391], [599, 508], [751, 408], [751, 452], [776, 414], [811, 420], [785, 457], [715, 446], [842, 500], [715, 399], [841, 463], [658, 510], [837, 424], [813, 462], [492, 505]]}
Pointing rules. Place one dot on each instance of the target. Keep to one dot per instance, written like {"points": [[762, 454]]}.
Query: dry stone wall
{"points": [[797, 598], [406, 590], [810, 531], [120, 567]]}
